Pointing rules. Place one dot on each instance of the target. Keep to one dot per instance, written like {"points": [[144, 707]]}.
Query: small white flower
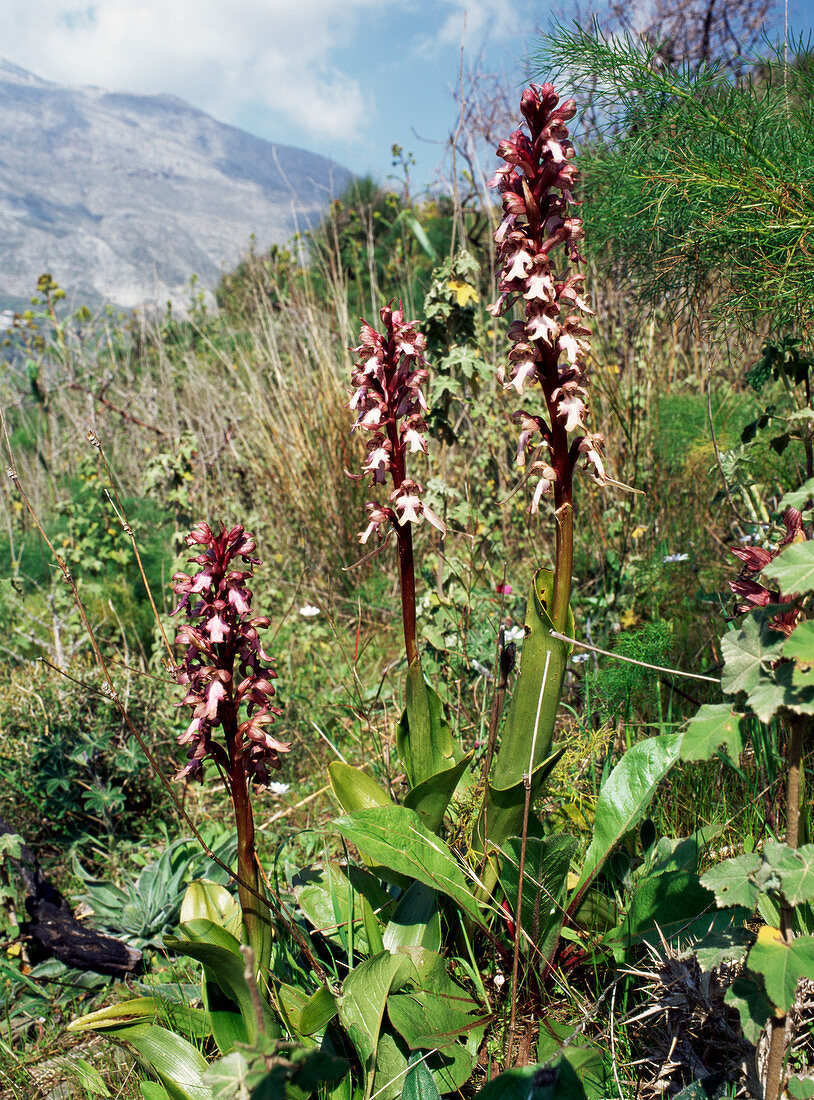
{"points": [[499, 980], [514, 634], [279, 788], [676, 557], [746, 538], [579, 658], [308, 611]]}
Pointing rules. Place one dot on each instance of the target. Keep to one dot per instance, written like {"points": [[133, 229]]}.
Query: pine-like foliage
{"points": [[694, 180]]}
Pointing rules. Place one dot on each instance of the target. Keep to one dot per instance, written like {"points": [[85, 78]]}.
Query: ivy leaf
{"points": [[801, 1088], [789, 871], [464, 293], [800, 648], [744, 652], [714, 726], [729, 944], [798, 498], [766, 698], [746, 994], [793, 569], [733, 881], [781, 964]]}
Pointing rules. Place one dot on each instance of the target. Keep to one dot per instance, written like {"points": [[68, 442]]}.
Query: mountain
{"points": [[123, 197]]}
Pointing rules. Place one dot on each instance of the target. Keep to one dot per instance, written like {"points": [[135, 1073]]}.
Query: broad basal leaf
{"points": [[355, 789], [394, 837], [548, 861], [625, 797], [362, 1002]]}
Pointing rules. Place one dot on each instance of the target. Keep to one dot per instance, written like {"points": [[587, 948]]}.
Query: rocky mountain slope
{"points": [[123, 197]]}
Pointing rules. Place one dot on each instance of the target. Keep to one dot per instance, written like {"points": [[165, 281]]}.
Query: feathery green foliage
{"points": [[694, 180]]}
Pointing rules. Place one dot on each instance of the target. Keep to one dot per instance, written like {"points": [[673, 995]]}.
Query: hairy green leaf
{"points": [[418, 1082], [733, 881], [781, 964], [747, 995], [793, 569]]}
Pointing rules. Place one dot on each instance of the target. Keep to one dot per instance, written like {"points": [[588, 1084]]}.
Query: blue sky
{"points": [[346, 78]]}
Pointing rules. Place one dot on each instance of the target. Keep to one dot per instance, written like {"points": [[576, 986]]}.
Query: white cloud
{"points": [[220, 55], [493, 19]]}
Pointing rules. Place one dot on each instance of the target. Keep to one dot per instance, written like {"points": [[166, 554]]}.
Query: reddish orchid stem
{"points": [[388, 376], [404, 535]]}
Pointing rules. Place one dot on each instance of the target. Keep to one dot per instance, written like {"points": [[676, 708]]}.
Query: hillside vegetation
{"points": [[602, 887]]}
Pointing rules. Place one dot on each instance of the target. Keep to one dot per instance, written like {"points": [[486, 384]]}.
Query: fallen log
{"points": [[53, 930]]}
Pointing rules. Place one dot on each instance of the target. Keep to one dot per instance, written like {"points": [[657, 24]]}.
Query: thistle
{"points": [[227, 673], [538, 249], [389, 404]]}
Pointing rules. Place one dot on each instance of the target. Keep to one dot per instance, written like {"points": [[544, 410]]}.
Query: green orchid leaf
{"points": [[424, 739], [624, 799], [225, 1020], [533, 709], [179, 1066], [733, 881], [548, 861], [502, 816], [325, 896], [355, 789], [204, 900], [223, 963], [151, 1090], [793, 569], [431, 798], [317, 1012], [416, 920], [525, 743], [394, 836], [715, 726], [192, 1022], [362, 1002], [781, 964]]}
